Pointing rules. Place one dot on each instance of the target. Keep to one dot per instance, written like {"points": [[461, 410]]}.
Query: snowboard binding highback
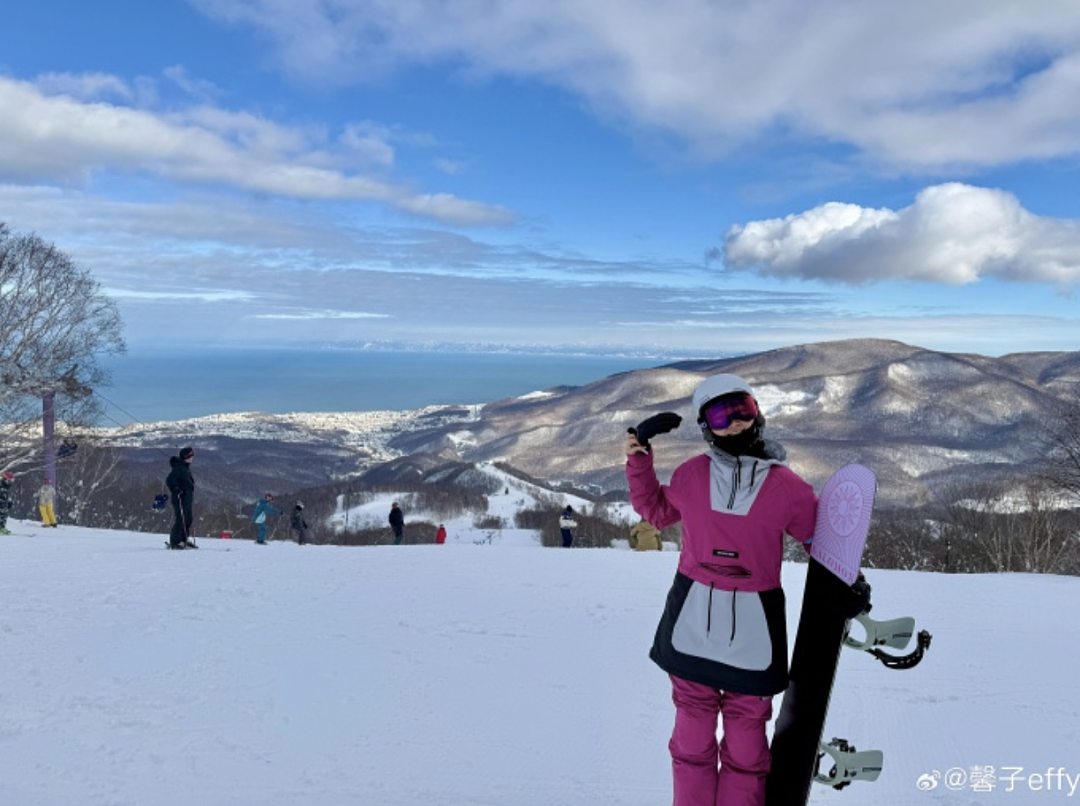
{"points": [[894, 634]]}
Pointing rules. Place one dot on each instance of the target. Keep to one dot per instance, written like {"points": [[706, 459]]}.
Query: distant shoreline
{"points": [[156, 386], [606, 352]]}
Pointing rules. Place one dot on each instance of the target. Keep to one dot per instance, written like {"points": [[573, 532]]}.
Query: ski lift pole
{"points": [[273, 532], [48, 432], [48, 429]]}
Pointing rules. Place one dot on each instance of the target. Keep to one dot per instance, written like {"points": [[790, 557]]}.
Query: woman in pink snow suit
{"points": [[722, 638]]}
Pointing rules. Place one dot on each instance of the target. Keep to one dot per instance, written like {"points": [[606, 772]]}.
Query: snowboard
{"points": [[843, 521]]}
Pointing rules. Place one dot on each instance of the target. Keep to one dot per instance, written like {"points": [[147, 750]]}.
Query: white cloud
{"points": [[85, 86], [952, 234], [369, 142], [444, 207], [924, 83], [140, 236], [450, 167], [318, 315], [50, 137], [178, 296], [216, 265], [199, 89]]}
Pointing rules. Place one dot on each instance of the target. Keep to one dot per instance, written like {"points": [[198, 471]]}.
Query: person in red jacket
{"points": [[440, 536], [722, 637]]}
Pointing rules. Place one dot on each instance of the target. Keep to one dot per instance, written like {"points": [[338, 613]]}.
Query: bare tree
{"points": [[1022, 527], [1047, 533], [94, 474], [1062, 469], [54, 323], [899, 539]]}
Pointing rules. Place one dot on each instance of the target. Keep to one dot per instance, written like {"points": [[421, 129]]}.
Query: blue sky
{"points": [[688, 177]]}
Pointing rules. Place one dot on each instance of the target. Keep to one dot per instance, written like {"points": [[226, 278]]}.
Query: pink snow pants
{"points": [[731, 773]]}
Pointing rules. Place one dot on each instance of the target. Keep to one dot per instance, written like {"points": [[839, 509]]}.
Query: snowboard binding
{"points": [[848, 764], [894, 634]]}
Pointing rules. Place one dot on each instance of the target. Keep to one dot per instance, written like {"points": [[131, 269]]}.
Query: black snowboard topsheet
{"points": [[822, 624]]}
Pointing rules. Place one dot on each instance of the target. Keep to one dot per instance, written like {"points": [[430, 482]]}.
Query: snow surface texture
{"points": [[464, 674]]}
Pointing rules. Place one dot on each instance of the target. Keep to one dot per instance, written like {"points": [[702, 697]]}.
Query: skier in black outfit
{"points": [[299, 525], [181, 486], [397, 523], [5, 500]]}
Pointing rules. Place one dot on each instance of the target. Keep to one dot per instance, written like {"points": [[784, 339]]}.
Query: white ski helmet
{"points": [[717, 386]]}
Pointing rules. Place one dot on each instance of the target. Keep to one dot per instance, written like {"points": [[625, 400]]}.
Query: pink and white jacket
{"points": [[724, 624]]}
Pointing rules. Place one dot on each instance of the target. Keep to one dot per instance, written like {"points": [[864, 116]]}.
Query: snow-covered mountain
{"points": [[479, 673], [923, 420]]}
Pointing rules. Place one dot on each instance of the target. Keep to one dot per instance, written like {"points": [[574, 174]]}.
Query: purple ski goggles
{"points": [[722, 412]]}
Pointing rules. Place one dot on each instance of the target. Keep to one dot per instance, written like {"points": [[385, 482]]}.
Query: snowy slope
{"points": [[514, 495], [464, 674]]}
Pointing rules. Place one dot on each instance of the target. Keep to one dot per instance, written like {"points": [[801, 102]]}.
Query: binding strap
{"points": [[905, 661]]}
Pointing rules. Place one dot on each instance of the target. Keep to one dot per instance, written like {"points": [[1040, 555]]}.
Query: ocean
{"points": [[154, 387]]}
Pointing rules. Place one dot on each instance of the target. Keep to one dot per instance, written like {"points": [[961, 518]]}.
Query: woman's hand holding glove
{"points": [[652, 426]]}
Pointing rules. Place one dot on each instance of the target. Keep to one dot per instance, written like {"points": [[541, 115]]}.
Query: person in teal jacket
{"points": [[262, 509]]}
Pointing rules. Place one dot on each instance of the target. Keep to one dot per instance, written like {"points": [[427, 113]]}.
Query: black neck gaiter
{"points": [[746, 443]]}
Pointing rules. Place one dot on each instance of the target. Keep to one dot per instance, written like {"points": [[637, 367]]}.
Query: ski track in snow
{"points": [[463, 674]]}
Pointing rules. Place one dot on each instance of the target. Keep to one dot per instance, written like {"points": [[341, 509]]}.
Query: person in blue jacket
{"points": [[263, 508]]}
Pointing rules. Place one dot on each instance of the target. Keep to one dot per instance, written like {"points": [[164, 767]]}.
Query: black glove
{"points": [[859, 599], [657, 424]]}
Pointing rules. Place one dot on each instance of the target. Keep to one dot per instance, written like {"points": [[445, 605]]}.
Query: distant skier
{"points": [[645, 537], [263, 508], [181, 486], [46, 498], [566, 524], [299, 525], [440, 535], [397, 523], [6, 481], [722, 636]]}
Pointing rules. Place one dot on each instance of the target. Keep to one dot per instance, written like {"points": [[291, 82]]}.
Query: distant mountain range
{"points": [[925, 421]]}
